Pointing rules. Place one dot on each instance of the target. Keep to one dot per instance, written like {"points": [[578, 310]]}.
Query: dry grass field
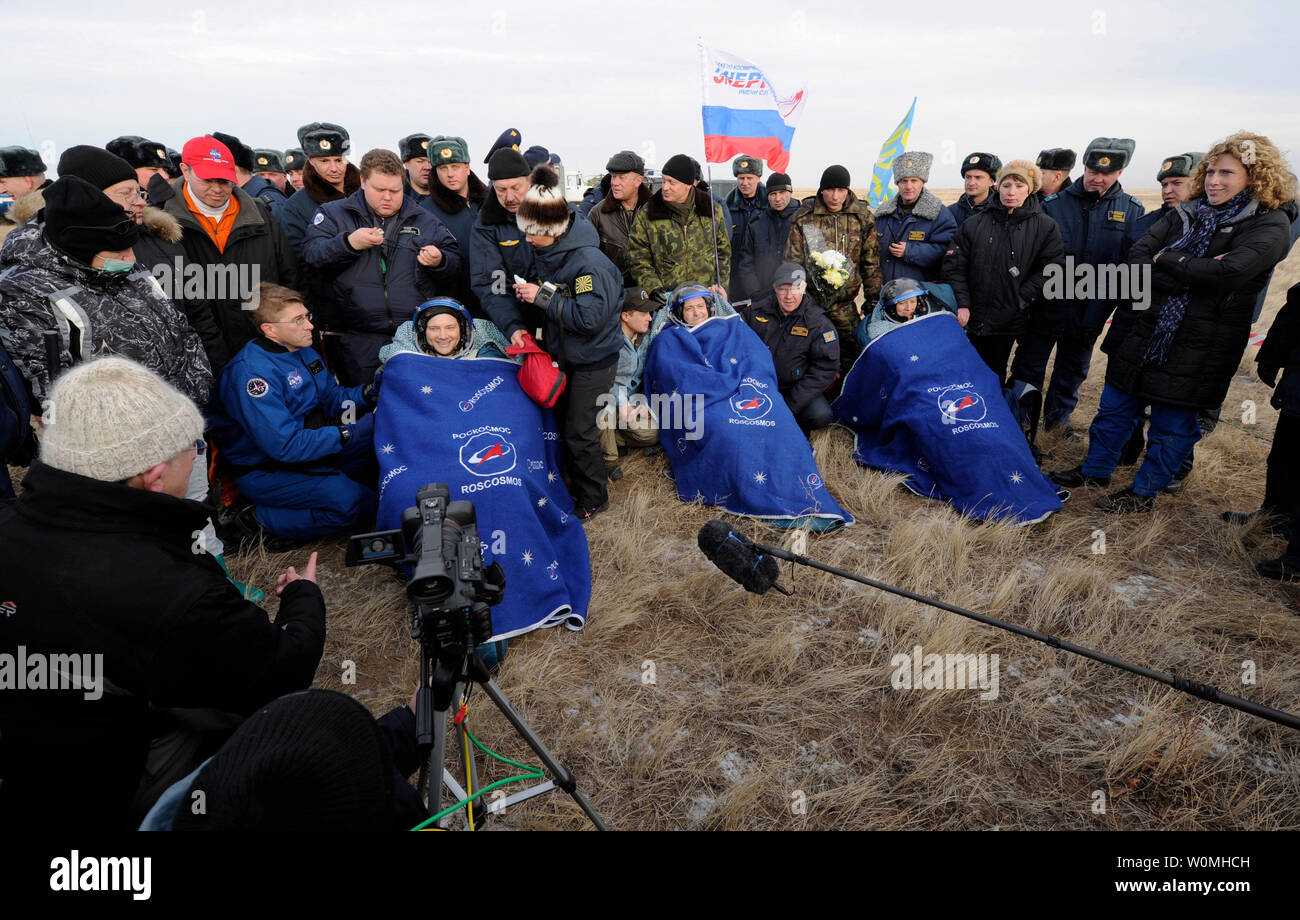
{"points": [[778, 713]]}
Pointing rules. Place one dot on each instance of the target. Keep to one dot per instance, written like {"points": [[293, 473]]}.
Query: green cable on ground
{"points": [[534, 773]]}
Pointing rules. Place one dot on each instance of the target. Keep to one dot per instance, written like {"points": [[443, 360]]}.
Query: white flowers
{"points": [[832, 268]]}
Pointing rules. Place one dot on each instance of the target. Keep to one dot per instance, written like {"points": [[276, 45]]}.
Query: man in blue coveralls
{"points": [[299, 445]]}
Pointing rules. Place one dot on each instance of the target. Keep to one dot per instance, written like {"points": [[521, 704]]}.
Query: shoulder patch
{"points": [[320, 216], [1052, 197], [828, 336], [257, 387], [1134, 199], [583, 284]]}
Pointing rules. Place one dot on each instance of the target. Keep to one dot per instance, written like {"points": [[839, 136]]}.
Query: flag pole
{"points": [[713, 218]]}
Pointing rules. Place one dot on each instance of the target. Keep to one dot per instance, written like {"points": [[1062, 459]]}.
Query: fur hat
{"points": [[413, 146], [112, 419], [680, 167], [1108, 154], [1058, 158], [834, 177], [447, 148], [509, 139], [82, 221], [747, 166], [544, 211], [96, 165], [779, 182], [625, 161], [913, 164], [1025, 170], [266, 160], [1183, 164], [983, 161], [242, 153], [139, 152], [507, 163], [323, 139], [294, 159], [20, 161]]}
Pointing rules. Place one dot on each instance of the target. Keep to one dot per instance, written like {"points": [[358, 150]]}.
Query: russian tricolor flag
{"points": [[744, 114]]}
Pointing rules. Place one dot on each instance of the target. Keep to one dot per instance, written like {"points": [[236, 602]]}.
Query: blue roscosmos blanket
{"points": [[729, 436], [468, 424], [922, 402]]}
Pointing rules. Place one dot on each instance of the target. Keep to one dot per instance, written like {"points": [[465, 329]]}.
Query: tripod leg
{"points": [[563, 778]]}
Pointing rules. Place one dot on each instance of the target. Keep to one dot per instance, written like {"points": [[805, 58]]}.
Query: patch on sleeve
{"points": [[828, 336], [320, 216], [583, 284], [257, 387], [916, 235]]}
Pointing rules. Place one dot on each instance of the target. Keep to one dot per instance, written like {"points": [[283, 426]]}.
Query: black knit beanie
{"points": [[834, 177], [680, 167], [308, 761], [96, 165], [82, 221], [507, 163]]}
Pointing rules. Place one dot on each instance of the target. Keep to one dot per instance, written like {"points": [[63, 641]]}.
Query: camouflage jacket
{"points": [[96, 313], [665, 250], [851, 231]]}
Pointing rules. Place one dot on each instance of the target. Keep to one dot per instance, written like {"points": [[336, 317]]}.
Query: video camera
{"points": [[451, 589]]}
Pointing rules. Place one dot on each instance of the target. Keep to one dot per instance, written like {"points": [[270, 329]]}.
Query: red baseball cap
{"points": [[209, 158]]}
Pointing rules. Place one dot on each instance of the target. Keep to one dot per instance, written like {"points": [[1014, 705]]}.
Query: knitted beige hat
{"points": [[111, 419], [1025, 170]]}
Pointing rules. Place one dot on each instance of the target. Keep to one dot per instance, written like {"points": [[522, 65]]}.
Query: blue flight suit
{"points": [[278, 418], [1096, 231]]}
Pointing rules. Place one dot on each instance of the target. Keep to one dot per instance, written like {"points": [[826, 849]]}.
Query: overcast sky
{"points": [[586, 78]]}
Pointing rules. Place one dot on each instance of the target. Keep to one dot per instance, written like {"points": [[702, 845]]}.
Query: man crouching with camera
{"points": [[126, 655]]}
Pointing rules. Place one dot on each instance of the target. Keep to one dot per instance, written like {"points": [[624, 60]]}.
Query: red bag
{"points": [[540, 375]]}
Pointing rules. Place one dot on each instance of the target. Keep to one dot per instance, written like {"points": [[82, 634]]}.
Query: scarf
{"points": [[1194, 242]]}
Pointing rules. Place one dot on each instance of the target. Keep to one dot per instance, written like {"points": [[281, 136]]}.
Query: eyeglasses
{"points": [[296, 321]]}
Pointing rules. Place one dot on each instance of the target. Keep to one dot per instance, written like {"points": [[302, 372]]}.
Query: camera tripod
{"points": [[446, 675]]}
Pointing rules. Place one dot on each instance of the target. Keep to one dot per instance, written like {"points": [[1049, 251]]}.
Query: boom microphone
{"points": [[738, 559]]}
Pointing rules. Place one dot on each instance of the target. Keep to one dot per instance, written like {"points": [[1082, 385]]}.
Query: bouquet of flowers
{"points": [[830, 275]]}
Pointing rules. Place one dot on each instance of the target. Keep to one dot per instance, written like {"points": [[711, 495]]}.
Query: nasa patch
{"points": [[295, 379], [320, 216], [257, 387]]}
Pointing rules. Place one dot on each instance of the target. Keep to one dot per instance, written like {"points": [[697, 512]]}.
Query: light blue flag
{"points": [[882, 179]]}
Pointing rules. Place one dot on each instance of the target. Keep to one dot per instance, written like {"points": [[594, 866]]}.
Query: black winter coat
{"points": [[988, 246], [1281, 350], [256, 239], [580, 324], [97, 568], [1209, 342], [805, 347]]}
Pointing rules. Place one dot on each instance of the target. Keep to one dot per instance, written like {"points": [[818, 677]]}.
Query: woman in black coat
{"points": [[1208, 258], [997, 262]]}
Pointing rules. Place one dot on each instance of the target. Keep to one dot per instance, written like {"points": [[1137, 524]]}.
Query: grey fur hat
{"points": [[913, 164]]}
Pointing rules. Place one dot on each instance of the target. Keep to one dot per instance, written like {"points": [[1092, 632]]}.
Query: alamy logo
{"points": [[181, 280], [103, 873], [1105, 281], [919, 671], [39, 671]]}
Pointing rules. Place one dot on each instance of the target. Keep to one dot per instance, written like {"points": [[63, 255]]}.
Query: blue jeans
{"points": [[1170, 438]]}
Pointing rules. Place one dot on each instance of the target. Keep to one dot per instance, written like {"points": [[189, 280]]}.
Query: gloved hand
{"points": [[1268, 373], [370, 392]]}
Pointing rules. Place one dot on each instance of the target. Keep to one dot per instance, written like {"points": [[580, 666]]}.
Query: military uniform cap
{"points": [[982, 161], [413, 146], [508, 138], [322, 139], [1180, 165], [1059, 158], [294, 158], [1108, 154], [747, 166], [265, 160], [20, 161], [447, 148], [139, 152]]}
